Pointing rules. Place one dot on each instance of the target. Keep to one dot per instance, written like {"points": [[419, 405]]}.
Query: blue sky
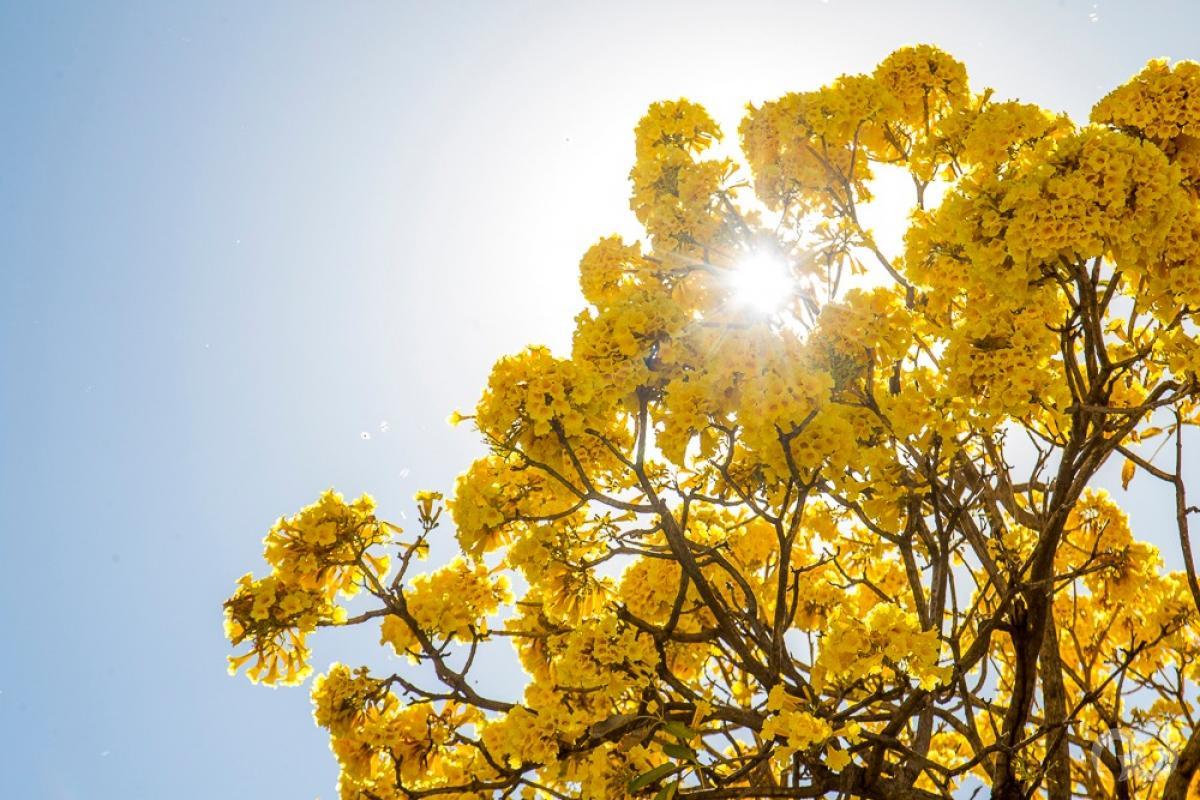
{"points": [[235, 237]]}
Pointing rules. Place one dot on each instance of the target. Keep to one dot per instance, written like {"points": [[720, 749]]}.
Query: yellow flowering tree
{"points": [[840, 541]]}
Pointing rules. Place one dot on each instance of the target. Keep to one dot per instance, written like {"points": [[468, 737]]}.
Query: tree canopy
{"points": [[798, 516]]}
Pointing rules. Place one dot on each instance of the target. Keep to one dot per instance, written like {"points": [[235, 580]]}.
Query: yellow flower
{"points": [[736, 549]]}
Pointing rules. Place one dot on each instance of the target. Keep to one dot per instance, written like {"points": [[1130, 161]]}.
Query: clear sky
{"points": [[236, 239]]}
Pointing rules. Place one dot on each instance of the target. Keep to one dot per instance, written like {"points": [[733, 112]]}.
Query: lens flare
{"points": [[762, 282]]}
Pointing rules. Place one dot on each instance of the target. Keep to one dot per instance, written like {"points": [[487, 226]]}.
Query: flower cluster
{"points": [[1162, 102], [388, 748], [885, 640], [812, 151], [452, 602], [676, 195], [742, 548], [316, 555], [494, 496], [927, 84]]}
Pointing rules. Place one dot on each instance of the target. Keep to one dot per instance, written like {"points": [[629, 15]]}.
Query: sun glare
{"points": [[761, 282]]}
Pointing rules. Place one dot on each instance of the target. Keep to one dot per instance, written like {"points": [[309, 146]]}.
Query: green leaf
{"points": [[679, 752], [668, 791], [680, 731], [649, 777]]}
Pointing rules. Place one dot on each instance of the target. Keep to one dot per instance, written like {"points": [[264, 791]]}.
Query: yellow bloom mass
{"points": [[851, 543]]}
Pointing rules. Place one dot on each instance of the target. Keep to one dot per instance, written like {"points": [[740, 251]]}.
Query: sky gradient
{"points": [[253, 250]]}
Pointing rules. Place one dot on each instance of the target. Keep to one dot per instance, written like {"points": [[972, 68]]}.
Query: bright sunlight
{"points": [[762, 281]]}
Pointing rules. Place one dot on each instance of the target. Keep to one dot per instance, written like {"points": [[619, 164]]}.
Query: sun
{"points": [[761, 281]]}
